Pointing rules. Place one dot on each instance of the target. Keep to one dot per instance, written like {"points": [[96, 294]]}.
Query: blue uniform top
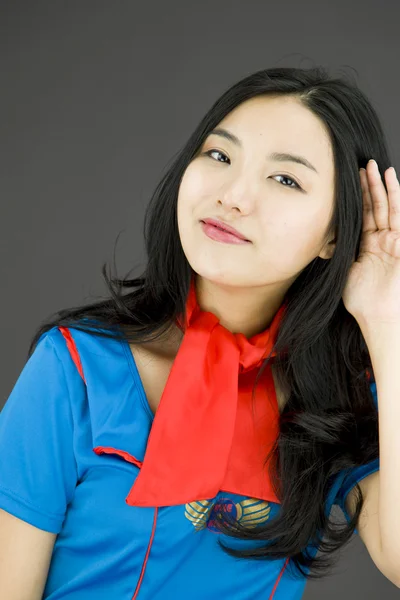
{"points": [[51, 477]]}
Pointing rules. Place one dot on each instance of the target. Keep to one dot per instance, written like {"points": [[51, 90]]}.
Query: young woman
{"points": [[188, 439]]}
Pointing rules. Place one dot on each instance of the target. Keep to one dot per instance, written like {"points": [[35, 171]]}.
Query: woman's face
{"points": [[242, 185]]}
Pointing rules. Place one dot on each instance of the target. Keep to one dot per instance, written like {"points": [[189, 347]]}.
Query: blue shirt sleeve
{"points": [[38, 472], [357, 473]]}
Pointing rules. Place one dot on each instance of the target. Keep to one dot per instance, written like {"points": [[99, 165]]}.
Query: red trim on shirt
{"points": [[277, 581], [125, 455], [73, 350], [147, 555]]}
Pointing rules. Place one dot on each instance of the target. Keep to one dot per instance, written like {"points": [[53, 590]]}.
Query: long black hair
{"points": [[329, 422]]}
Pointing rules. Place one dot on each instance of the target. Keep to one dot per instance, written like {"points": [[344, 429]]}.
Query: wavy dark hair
{"points": [[329, 422]]}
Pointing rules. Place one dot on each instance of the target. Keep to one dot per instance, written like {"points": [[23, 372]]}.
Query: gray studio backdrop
{"points": [[96, 98]]}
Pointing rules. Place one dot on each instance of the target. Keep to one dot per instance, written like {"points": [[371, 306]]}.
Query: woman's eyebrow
{"points": [[277, 156]]}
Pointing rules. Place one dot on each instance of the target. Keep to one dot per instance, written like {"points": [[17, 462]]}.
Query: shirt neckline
{"points": [[138, 382], [134, 372]]}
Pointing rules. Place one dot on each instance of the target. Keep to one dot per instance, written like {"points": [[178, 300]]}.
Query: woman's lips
{"points": [[220, 235]]}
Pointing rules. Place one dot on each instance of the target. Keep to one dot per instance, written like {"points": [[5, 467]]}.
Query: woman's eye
{"points": [[296, 185], [217, 151]]}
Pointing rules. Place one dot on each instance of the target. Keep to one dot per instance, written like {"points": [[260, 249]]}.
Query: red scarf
{"points": [[204, 436]]}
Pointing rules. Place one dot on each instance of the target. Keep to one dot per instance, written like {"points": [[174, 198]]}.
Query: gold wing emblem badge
{"points": [[250, 512]]}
